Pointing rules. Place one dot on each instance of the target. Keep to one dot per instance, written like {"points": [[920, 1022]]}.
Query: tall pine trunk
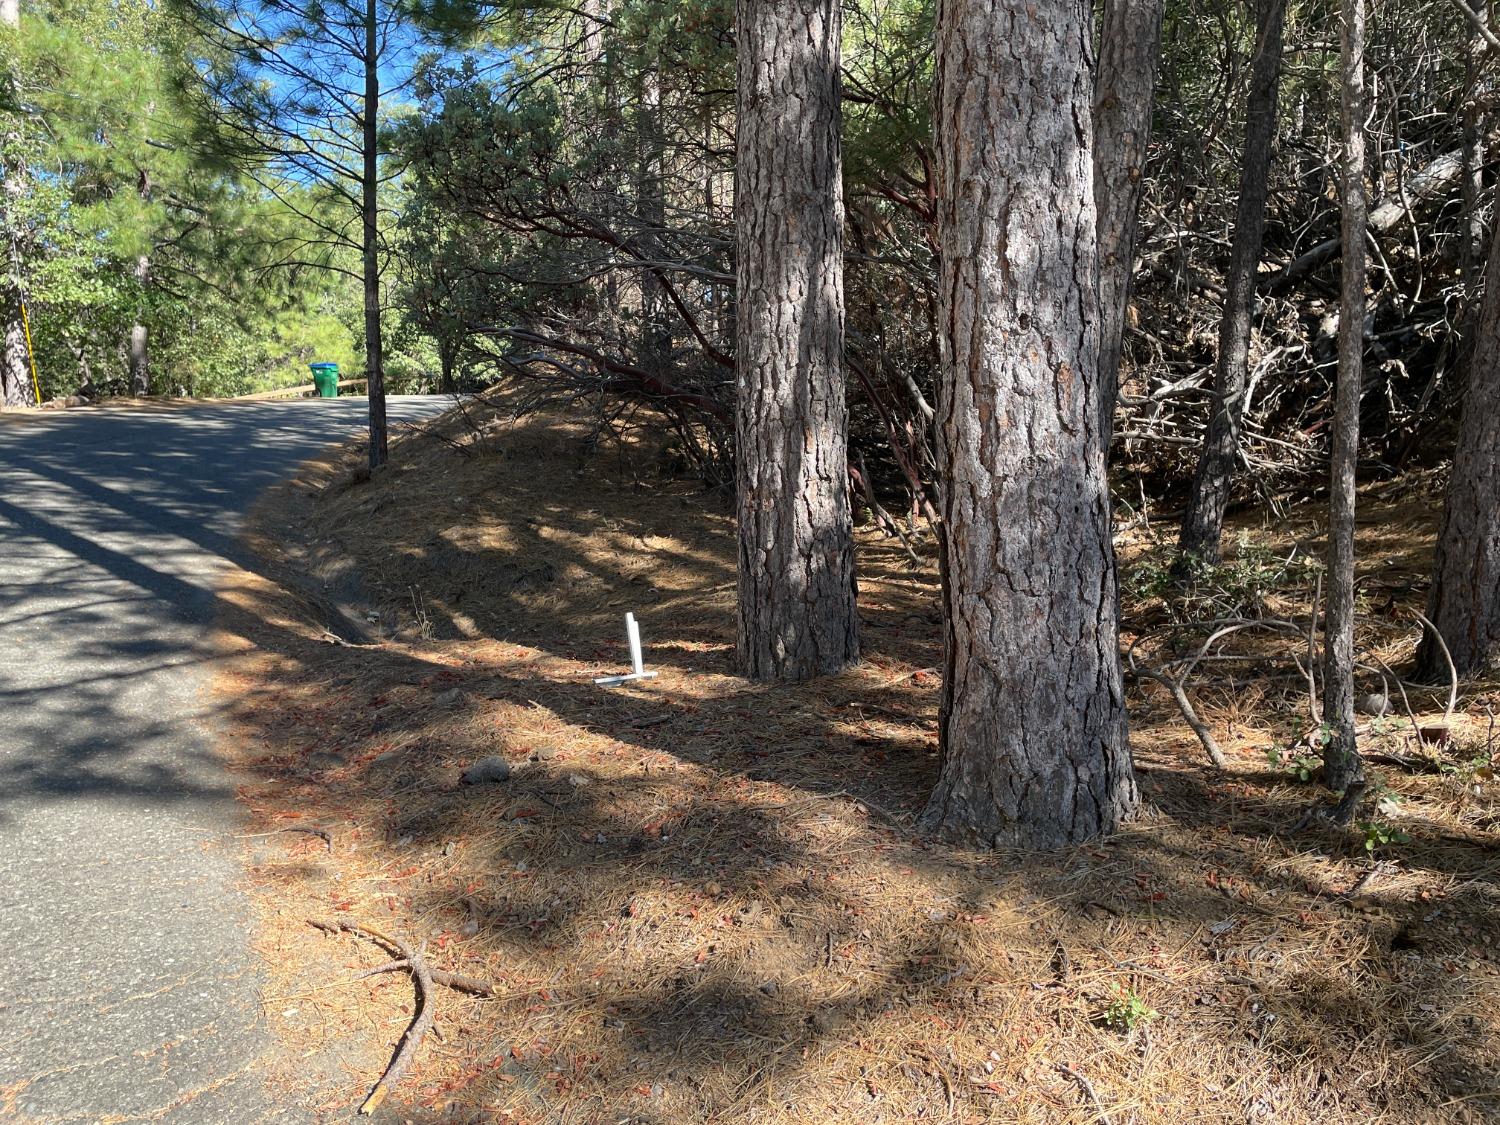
{"points": [[1464, 602], [370, 207], [13, 365], [1129, 49], [796, 551], [1203, 524], [1034, 740], [1342, 769]]}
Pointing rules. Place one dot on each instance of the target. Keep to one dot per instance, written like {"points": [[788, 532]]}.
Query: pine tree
{"points": [[1033, 725], [796, 551], [292, 93]]}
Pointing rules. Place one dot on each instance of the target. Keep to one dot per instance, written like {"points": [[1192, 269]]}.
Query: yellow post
{"points": [[30, 353]]}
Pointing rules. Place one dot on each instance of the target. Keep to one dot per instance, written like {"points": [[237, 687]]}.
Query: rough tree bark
{"points": [[14, 384], [1343, 771], [1034, 740], [1129, 49], [370, 208], [1203, 523], [796, 553], [1464, 602]]}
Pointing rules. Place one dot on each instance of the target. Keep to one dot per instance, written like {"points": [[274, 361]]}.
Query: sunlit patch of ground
{"points": [[702, 899]]}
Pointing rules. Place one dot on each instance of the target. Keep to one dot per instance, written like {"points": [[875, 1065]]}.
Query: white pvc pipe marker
{"points": [[637, 662]]}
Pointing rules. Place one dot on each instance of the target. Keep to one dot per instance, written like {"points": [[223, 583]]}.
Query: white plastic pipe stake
{"points": [[637, 662]]}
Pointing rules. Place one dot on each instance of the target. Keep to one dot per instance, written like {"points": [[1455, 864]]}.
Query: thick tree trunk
{"points": [[1203, 524], [796, 551], [370, 206], [1034, 740], [1129, 48], [13, 366], [1465, 600], [1342, 769]]}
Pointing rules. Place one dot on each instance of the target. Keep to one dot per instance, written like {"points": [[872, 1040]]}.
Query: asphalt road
{"points": [[127, 988]]}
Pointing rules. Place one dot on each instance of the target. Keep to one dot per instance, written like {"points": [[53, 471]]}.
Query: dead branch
{"points": [[456, 981], [1185, 705], [861, 479], [406, 1050], [1480, 25], [1313, 708], [322, 833], [1176, 685], [433, 432], [1405, 699], [1452, 669], [1088, 1091]]}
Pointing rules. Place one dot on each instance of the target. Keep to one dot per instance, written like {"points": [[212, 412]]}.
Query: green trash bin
{"points": [[326, 379]]}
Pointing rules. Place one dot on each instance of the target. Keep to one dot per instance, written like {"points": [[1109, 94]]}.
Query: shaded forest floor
{"points": [[702, 899]]}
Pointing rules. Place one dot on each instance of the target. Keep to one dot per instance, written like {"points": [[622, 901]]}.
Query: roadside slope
{"points": [[700, 899]]}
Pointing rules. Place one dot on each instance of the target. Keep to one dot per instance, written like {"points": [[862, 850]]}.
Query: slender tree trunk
{"points": [[1464, 602], [1129, 49], [796, 550], [1034, 740], [85, 373], [597, 73], [14, 383], [1342, 768], [1470, 262], [446, 360], [374, 346], [1203, 525], [140, 337], [139, 351], [656, 334]]}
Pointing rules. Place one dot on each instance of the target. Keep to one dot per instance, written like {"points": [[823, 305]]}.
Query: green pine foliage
{"points": [[121, 221]]}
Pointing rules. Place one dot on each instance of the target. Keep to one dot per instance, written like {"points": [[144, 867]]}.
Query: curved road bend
{"points": [[127, 989]]}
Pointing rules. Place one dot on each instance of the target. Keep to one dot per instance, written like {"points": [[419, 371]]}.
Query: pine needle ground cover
{"points": [[699, 900]]}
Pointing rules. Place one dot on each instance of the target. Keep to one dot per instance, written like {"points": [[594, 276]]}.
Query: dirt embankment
{"points": [[701, 900]]}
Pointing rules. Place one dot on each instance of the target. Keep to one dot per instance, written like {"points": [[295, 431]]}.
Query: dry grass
{"points": [[702, 900]]}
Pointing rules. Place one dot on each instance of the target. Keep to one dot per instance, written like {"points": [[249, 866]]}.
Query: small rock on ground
{"points": [[487, 770]]}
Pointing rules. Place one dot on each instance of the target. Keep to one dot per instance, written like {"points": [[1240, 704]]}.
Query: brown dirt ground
{"points": [[701, 900]]}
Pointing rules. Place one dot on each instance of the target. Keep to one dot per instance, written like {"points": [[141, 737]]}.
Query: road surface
{"points": [[127, 988]]}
